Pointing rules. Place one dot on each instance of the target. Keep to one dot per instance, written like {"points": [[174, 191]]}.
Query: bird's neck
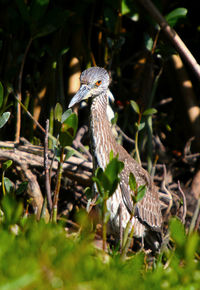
{"points": [[102, 137]]}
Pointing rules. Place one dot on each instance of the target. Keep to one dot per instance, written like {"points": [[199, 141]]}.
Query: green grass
{"points": [[42, 256]]}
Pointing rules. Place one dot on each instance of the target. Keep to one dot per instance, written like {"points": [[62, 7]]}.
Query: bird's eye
{"points": [[98, 83]]}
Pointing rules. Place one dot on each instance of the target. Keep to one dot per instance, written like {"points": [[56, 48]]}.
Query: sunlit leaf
{"points": [[132, 182], [148, 42], [149, 111], [173, 17], [113, 169], [9, 186], [58, 112], [125, 8], [4, 118], [135, 107], [141, 192], [65, 115], [141, 126], [70, 125], [7, 164]]}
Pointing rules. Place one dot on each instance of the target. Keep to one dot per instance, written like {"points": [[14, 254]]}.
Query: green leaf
{"points": [[135, 107], [88, 192], [141, 126], [98, 183], [148, 42], [114, 119], [111, 155], [149, 111], [65, 139], [58, 112], [132, 182], [12, 209], [66, 115], [69, 154], [103, 180], [70, 125], [113, 169], [4, 118], [7, 164], [173, 17], [1, 94], [9, 186], [177, 231], [141, 192], [64, 51], [125, 8], [192, 246]]}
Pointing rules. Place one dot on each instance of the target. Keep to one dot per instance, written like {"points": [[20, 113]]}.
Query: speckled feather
{"points": [[147, 213]]}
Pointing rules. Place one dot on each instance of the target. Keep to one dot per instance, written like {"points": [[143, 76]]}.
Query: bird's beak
{"points": [[82, 94]]}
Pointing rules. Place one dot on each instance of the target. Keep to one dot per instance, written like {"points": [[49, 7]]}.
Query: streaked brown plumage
{"points": [[147, 218]]}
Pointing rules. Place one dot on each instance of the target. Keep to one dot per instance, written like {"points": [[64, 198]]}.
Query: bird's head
{"points": [[94, 81]]}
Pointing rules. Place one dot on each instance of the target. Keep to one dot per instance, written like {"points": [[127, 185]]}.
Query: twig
{"points": [[58, 184], [46, 167], [19, 93], [172, 35], [124, 135], [195, 217], [29, 114], [184, 203]]}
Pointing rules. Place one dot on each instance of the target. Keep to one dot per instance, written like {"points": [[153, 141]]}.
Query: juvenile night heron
{"points": [[147, 218]]}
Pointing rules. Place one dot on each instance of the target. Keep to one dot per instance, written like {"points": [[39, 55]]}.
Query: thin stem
{"points": [[29, 114], [104, 224], [127, 245], [136, 141], [33, 119], [19, 93], [46, 167], [57, 189]]}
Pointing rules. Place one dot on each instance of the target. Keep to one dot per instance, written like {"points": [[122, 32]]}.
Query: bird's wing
{"points": [[148, 209]]}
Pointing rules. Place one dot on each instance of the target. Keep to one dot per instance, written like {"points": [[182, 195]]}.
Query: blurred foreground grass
{"points": [[35, 255]]}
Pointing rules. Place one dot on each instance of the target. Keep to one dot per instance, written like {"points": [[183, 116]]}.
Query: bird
{"points": [[147, 218]]}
